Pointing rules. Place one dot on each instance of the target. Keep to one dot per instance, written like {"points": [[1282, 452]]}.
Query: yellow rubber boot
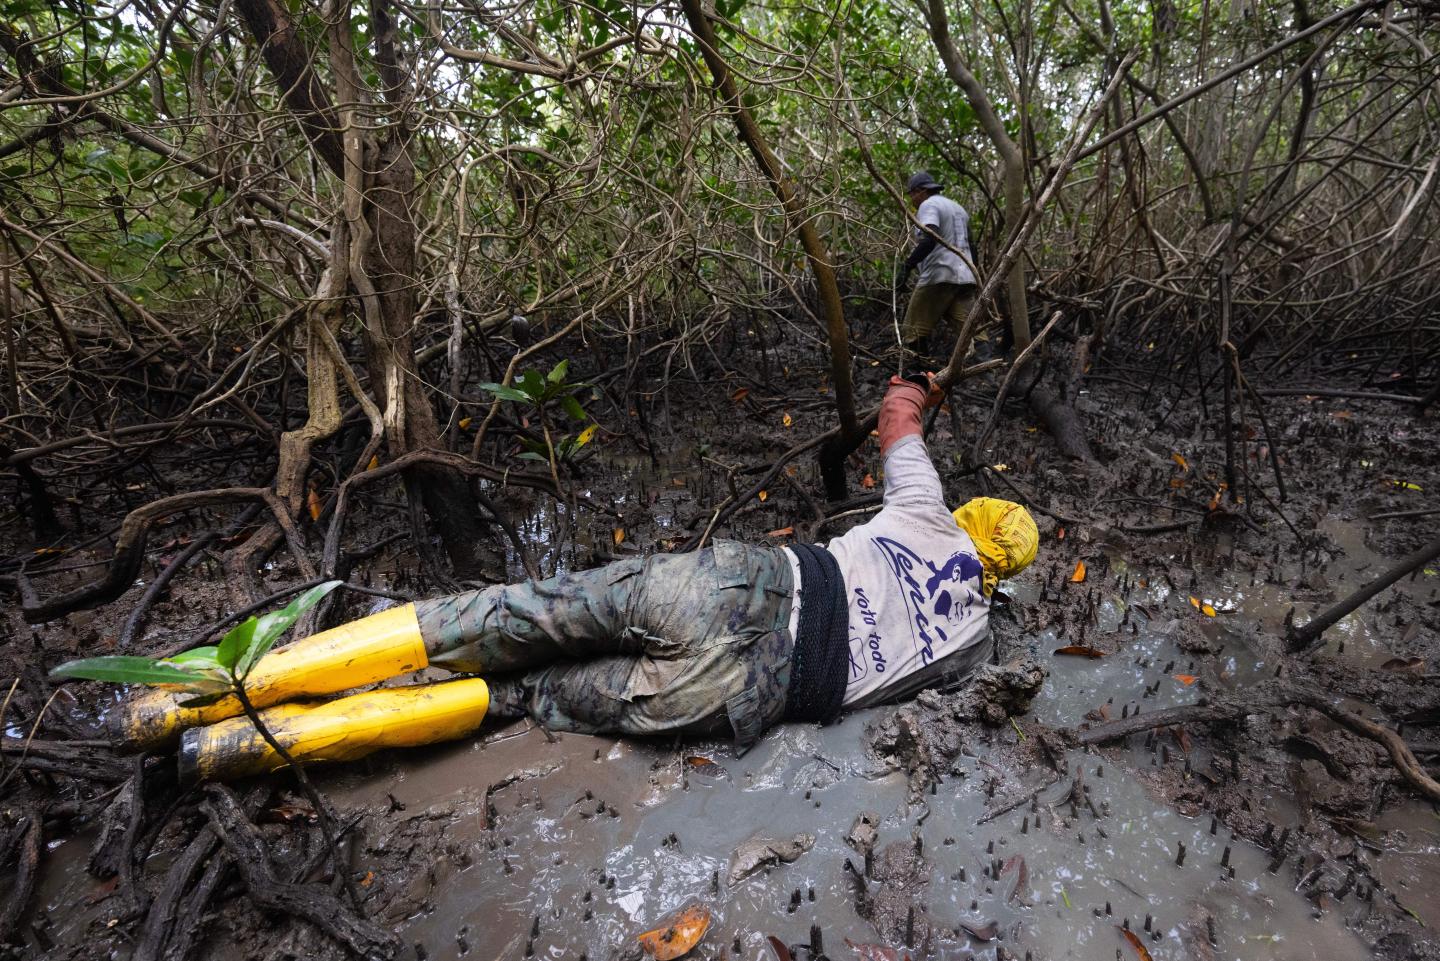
{"points": [[340, 730], [349, 656]]}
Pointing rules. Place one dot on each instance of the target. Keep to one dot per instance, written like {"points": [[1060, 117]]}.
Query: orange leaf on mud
{"points": [[1342, 415], [781, 532], [1215, 501], [619, 536], [374, 462], [1079, 650], [1195, 602], [1176, 483], [1186, 679], [764, 495], [315, 505], [1207, 610], [740, 394], [1135, 943], [868, 481], [1060, 534], [1079, 575], [678, 934], [1180, 459], [787, 420]]}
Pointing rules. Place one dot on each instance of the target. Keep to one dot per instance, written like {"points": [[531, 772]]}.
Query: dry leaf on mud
{"points": [[679, 933], [787, 420], [764, 495], [981, 930], [1179, 459], [619, 536], [1207, 610], [876, 952], [1015, 864], [1405, 665], [740, 394], [1079, 650], [1186, 679], [780, 532], [868, 481], [1079, 575], [782, 953], [1135, 943], [315, 505], [705, 767]]}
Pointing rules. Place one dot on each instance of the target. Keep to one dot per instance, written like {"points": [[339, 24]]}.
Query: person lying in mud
{"points": [[727, 641]]}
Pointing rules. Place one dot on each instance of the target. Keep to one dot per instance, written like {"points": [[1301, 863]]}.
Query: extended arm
{"points": [[909, 474]]}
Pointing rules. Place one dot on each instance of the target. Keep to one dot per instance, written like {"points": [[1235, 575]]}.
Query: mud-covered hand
{"points": [[900, 411]]}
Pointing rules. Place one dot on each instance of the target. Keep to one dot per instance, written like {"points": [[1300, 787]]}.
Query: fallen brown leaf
{"points": [[876, 952], [1405, 665], [1079, 575], [981, 930], [1015, 864]]}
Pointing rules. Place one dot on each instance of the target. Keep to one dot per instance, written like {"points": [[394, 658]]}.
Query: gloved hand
{"points": [[900, 411], [926, 382]]}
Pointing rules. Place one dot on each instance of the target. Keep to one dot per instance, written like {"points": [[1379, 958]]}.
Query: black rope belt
{"points": [[819, 665]]}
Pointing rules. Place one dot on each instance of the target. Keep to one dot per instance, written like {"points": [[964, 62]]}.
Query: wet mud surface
{"points": [[959, 825]]}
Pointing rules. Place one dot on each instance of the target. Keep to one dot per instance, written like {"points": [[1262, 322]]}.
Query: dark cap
{"points": [[921, 180]]}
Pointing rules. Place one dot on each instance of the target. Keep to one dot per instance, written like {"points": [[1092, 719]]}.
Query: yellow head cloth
{"points": [[1004, 533]]}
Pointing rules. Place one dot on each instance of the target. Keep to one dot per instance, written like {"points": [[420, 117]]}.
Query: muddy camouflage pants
{"points": [[695, 643]]}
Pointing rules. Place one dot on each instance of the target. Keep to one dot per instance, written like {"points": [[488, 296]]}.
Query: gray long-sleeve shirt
{"points": [[918, 613]]}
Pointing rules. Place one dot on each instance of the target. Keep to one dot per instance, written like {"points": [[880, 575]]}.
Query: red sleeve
{"points": [[900, 412]]}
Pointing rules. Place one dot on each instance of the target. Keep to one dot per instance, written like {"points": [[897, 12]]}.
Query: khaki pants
{"points": [[931, 302]]}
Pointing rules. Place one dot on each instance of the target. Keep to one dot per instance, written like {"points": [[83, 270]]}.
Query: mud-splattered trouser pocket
{"points": [[706, 649]]}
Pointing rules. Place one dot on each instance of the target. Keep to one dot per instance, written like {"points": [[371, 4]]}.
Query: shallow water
{"points": [[583, 840], [560, 846]]}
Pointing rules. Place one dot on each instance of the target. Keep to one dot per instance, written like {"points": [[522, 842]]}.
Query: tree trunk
{"points": [[1012, 162], [832, 455], [390, 265]]}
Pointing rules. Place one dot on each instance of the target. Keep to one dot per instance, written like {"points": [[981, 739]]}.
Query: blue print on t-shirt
{"points": [[933, 605]]}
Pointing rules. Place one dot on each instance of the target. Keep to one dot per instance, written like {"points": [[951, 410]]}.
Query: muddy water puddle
{"points": [[590, 841], [598, 839], [655, 829]]}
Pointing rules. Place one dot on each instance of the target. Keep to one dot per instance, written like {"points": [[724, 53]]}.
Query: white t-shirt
{"points": [[950, 221], [913, 583]]}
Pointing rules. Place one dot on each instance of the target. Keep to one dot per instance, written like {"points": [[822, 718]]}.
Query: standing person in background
{"points": [[944, 285]]}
